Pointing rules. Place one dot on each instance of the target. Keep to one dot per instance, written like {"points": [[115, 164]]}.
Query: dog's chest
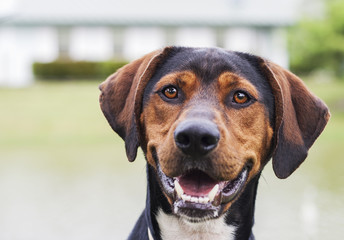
{"points": [[173, 228]]}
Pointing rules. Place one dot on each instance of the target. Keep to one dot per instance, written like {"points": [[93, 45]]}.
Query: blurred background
{"points": [[64, 173]]}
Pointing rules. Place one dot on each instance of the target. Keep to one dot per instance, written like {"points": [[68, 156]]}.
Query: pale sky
{"points": [[6, 6]]}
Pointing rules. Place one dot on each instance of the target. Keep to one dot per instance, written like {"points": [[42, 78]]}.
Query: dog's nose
{"points": [[196, 138]]}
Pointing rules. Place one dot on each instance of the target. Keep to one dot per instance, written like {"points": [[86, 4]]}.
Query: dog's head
{"points": [[208, 120]]}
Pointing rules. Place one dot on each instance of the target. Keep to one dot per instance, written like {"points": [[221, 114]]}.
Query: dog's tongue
{"points": [[196, 183]]}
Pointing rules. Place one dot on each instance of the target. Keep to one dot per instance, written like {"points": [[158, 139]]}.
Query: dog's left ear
{"points": [[300, 117], [121, 97]]}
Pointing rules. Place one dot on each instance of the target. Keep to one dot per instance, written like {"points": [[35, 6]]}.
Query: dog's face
{"points": [[208, 129], [208, 121]]}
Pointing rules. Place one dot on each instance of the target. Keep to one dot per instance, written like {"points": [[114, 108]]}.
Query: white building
{"points": [[43, 30]]}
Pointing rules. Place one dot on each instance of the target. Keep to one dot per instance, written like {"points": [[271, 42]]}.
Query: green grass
{"points": [[51, 114], [56, 125]]}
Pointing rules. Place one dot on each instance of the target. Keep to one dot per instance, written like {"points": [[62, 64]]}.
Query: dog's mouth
{"points": [[197, 196]]}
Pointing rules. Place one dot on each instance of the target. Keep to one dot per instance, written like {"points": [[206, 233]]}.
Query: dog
{"points": [[208, 120]]}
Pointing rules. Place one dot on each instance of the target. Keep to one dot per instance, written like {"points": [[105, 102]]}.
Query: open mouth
{"points": [[197, 196]]}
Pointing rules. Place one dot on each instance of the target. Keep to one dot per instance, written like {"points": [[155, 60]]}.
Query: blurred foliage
{"points": [[318, 44], [67, 69]]}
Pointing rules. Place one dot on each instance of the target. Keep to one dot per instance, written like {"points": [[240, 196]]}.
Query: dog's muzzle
{"points": [[195, 194]]}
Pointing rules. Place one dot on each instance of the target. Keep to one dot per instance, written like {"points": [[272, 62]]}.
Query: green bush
{"points": [[318, 44], [66, 69]]}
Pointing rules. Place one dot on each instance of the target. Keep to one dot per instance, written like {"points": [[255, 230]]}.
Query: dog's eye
{"points": [[240, 97], [170, 92]]}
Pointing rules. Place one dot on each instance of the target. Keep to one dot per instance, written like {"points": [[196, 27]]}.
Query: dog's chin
{"points": [[197, 197]]}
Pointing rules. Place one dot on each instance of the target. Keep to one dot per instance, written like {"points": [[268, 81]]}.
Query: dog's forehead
{"points": [[208, 64]]}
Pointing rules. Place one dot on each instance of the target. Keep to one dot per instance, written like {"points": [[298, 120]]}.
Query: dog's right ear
{"points": [[121, 97]]}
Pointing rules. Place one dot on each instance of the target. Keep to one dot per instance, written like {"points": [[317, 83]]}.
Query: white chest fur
{"points": [[172, 228]]}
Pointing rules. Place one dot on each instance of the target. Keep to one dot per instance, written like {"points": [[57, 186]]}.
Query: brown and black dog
{"points": [[208, 121]]}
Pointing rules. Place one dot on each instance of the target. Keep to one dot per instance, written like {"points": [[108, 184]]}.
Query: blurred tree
{"points": [[318, 44]]}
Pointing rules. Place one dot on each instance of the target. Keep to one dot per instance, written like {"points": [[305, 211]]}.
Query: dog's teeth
{"points": [[205, 199], [186, 198], [178, 188], [212, 193]]}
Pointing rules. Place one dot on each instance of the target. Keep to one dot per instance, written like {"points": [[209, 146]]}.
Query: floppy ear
{"points": [[300, 117], [121, 98]]}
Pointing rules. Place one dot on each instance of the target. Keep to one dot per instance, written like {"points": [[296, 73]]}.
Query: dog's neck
{"points": [[237, 222]]}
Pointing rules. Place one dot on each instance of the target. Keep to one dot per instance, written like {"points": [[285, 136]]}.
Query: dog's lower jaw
{"points": [[240, 214]]}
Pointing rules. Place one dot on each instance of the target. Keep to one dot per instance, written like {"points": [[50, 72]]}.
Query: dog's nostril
{"points": [[209, 140], [183, 140]]}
